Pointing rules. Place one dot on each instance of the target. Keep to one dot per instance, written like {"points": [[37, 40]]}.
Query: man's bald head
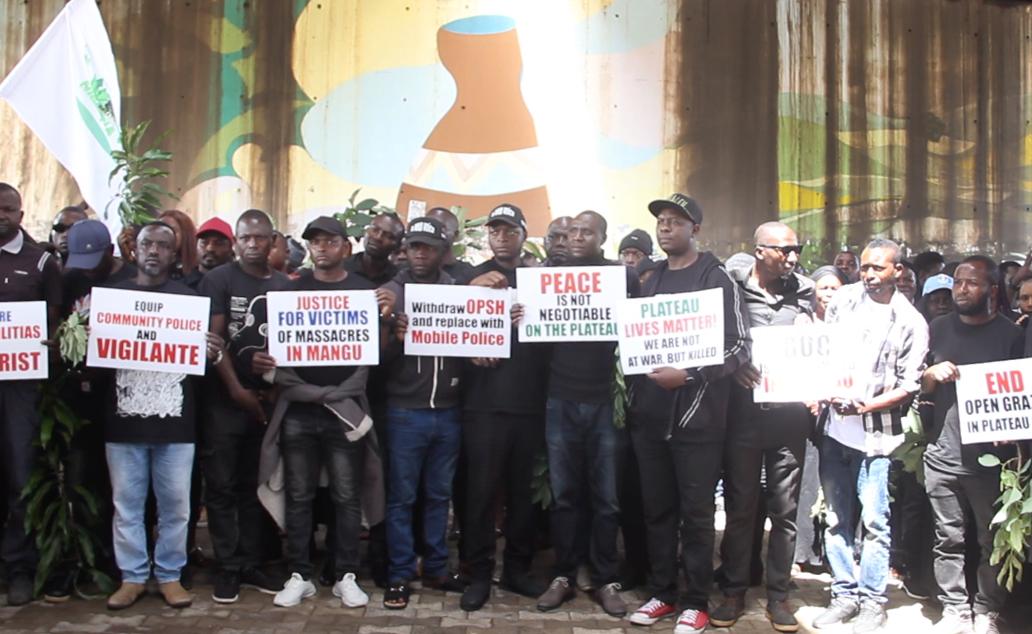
{"points": [[774, 233], [448, 219]]}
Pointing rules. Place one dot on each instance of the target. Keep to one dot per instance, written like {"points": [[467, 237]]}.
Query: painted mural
{"points": [[844, 118]]}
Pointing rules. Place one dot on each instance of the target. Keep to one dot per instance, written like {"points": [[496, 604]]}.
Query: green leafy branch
{"points": [[140, 195], [61, 517], [540, 486], [472, 236], [1013, 520], [356, 216]]}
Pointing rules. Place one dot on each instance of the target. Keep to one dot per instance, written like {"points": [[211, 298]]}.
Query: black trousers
{"points": [[953, 497], [311, 441], [231, 446], [19, 427], [500, 449], [678, 482], [782, 457], [808, 548]]}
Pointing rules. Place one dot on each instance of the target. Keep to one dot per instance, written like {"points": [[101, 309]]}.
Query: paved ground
{"points": [[430, 611]]}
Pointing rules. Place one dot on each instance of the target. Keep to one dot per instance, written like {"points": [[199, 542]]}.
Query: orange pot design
{"points": [[484, 151]]}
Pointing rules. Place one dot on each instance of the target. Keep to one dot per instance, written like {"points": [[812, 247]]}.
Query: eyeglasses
{"points": [[60, 227], [784, 250]]}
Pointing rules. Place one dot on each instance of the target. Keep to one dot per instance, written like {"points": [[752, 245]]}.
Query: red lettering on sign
{"points": [[574, 282]]}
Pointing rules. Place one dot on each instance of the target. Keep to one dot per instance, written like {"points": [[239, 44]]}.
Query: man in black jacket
{"points": [[583, 444], [677, 423], [502, 431], [770, 436], [423, 432]]}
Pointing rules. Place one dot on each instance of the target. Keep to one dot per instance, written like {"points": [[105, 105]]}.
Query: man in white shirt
{"points": [[864, 428]]}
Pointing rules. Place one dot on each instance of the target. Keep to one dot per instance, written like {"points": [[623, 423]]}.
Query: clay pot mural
{"points": [[484, 151]]}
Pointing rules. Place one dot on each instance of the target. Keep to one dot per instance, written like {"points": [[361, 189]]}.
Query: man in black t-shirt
{"points": [[957, 485], [322, 429], [27, 274], [149, 434], [502, 431], [677, 424], [236, 413], [583, 444], [382, 238]]}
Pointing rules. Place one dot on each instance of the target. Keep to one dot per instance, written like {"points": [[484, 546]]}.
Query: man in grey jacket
{"points": [[892, 341]]}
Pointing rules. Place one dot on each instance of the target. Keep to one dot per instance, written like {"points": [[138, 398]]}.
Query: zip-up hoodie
{"points": [[419, 382], [699, 408]]}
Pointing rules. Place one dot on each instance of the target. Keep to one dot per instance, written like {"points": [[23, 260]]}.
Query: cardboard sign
{"points": [[570, 303], [685, 330], [457, 321], [313, 328], [804, 363], [23, 327], [139, 330], [994, 401]]}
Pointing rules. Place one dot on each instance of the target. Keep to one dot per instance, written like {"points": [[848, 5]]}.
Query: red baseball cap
{"points": [[216, 225]]}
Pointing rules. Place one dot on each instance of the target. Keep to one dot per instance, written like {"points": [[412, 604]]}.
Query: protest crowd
{"points": [[398, 395]]}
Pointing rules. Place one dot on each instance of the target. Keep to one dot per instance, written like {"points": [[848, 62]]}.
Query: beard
{"points": [[979, 308]]}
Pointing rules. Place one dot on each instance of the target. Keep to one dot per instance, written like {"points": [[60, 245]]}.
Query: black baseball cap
{"points": [[325, 224], [680, 202], [425, 230], [636, 239], [509, 214]]}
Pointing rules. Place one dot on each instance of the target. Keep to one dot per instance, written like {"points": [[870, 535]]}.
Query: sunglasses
{"points": [[60, 228], [784, 250]]}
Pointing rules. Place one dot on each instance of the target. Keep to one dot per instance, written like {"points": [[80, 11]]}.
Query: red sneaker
{"points": [[652, 611], [691, 622]]}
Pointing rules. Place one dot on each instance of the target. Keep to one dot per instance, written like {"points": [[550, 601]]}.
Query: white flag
{"points": [[66, 89]]}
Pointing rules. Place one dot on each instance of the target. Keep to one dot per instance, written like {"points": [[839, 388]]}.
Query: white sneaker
{"points": [[294, 591], [350, 594]]}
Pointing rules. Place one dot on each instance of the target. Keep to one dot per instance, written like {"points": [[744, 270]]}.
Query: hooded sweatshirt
{"points": [[697, 410], [419, 382]]}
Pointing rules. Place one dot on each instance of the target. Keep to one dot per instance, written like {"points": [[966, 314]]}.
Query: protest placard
{"points": [[802, 363], [139, 330], [684, 330], [457, 321], [994, 401], [23, 327], [312, 328], [570, 303]]}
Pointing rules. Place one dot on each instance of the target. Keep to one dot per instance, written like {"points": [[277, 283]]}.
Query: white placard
{"points": [[314, 328], [570, 303], [803, 363], [23, 327], [457, 321], [683, 330], [994, 401], [140, 330]]}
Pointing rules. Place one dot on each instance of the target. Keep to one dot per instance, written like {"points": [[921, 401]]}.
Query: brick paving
{"points": [[429, 611]]}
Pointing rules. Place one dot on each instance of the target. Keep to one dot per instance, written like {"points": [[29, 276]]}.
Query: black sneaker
{"points": [[260, 581], [19, 589], [840, 611], [870, 619], [227, 587], [58, 587]]}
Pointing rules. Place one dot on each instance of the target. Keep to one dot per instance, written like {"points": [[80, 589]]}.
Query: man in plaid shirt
{"points": [[863, 429]]}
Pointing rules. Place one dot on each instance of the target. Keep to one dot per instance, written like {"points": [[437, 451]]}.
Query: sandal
{"points": [[396, 596]]}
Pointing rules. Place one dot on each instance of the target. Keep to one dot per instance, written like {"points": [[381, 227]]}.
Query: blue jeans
{"points": [[851, 478], [421, 443], [583, 447], [134, 468]]}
